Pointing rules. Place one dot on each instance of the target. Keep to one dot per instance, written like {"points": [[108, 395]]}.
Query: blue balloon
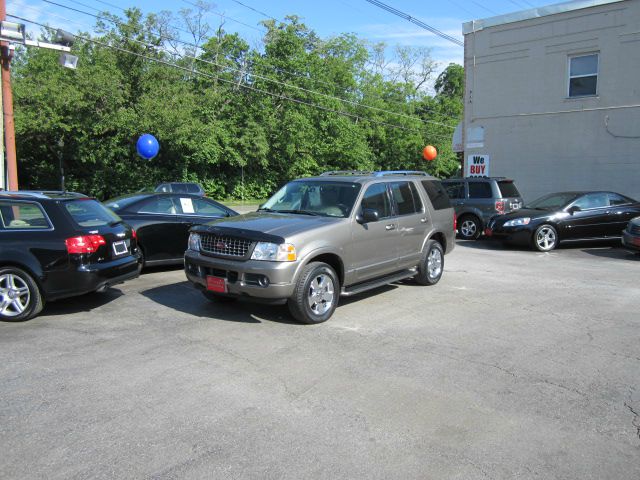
{"points": [[147, 146]]}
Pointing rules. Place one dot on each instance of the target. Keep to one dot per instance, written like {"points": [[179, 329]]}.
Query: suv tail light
{"points": [[84, 243], [500, 206], [455, 222], [134, 234]]}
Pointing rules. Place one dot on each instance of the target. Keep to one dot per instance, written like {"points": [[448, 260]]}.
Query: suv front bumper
{"points": [[270, 281]]}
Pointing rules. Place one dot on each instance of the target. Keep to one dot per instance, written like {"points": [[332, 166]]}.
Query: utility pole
{"points": [[7, 107]]}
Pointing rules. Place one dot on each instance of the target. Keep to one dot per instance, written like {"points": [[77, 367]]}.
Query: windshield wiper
{"points": [[116, 222], [302, 212], [267, 210]]}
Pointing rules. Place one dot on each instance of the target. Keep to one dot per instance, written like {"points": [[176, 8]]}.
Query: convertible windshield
{"points": [[553, 201], [314, 197]]}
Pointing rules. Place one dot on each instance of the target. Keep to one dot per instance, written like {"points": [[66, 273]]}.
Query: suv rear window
{"points": [[437, 194], [90, 213], [508, 189], [479, 190]]}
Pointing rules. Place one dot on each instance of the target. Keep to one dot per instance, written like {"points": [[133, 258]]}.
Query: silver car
{"points": [[321, 238]]}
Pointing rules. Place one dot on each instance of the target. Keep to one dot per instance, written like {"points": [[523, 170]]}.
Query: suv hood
{"points": [[254, 224]]}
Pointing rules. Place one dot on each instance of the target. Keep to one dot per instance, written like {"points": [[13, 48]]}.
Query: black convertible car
{"points": [[565, 217], [162, 221]]}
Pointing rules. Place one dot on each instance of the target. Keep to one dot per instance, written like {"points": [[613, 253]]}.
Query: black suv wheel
{"points": [[20, 297]]}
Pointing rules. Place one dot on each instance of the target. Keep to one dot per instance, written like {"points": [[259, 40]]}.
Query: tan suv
{"points": [[321, 238]]}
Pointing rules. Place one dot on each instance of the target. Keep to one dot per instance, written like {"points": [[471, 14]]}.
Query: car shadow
{"points": [[182, 297], [613, 252], [81, 303]]}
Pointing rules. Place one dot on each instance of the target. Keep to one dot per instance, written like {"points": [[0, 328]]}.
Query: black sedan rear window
{"points": [[90, 213]]}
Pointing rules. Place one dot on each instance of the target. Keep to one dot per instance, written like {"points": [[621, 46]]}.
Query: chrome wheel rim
{"points": [[321, 294], [546, 238], [434, 263], [14, 295], [468, 228]]}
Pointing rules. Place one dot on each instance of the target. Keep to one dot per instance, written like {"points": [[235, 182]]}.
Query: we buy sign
{"points": [[477, 166]]}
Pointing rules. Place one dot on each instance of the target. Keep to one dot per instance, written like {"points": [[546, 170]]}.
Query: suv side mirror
{"points": [[574, 209], [368, 215]]}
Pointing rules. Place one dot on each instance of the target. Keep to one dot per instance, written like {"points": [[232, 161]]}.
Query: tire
{"points": [[316, 294], [545, 238], [432, 264], [20, 297], [214, 297], [469, 227]]}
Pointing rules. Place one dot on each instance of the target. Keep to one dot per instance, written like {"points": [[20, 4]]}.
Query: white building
{"points": [[552, 97]]}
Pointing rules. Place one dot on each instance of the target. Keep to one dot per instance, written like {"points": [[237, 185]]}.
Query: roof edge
{"points": [[477, 25]]}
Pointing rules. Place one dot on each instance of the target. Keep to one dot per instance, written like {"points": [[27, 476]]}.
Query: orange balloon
{"points": [[429, 152]]}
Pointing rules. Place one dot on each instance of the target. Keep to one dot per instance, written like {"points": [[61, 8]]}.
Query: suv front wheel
{"points": [[316, 294]]}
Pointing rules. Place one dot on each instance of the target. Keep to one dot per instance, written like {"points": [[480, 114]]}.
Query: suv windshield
{"points": [[508, 189], [331, 199], [90, 213], [553, 201]]}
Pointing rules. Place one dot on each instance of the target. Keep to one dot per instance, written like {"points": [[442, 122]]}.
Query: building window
{"points": [[583, 75]]}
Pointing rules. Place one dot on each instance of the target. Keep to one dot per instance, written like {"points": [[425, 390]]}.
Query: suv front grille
{"points": [[224, 245]]}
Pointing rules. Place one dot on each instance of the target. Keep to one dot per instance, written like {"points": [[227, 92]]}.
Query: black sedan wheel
{"points": [[545, 238], [20, 297]]}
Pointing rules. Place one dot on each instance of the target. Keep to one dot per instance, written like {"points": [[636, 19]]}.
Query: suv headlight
{"points": [[283, 252], [194, 242], [517, 222]]}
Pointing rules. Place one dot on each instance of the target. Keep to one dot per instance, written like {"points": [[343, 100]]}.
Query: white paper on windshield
{"points": [[187, 205]]}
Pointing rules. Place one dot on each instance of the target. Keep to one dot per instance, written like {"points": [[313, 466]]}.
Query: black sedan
{"points": [[565, 217], [162, 221], [59, 244], [631, 235]]}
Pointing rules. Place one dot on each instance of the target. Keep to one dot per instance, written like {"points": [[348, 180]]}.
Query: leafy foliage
{"points": [[239, 120]]}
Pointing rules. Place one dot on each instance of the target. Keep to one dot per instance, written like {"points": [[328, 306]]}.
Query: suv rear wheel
{"points": [[432, 264], [469, 227], [316, 294], [20, 297]]}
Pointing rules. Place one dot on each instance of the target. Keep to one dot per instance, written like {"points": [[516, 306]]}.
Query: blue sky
{"points": [[326, 17]]}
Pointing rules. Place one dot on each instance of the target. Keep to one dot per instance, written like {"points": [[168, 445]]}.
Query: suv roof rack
{"points": [[381, 173], [332, 173], [384, 173]]}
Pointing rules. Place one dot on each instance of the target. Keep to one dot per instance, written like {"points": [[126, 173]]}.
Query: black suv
{"points": [[59, 244], [477, 199]]}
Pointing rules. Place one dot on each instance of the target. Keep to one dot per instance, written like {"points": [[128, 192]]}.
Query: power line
{"points": [[245, 86], [257, 11], [267, 79], [197, 47], [420, 23]]}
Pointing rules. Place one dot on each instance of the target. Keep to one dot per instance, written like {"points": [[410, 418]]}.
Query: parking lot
{"points": [[516, 365]]}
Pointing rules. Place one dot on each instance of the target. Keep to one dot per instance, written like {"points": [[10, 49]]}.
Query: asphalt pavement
{"points": [[516, 365]]}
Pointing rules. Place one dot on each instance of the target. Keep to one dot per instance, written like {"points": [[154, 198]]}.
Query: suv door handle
{"points": [[391, 226], [424, 220]]}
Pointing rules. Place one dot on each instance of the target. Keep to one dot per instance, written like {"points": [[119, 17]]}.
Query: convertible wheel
{"points": [[545, 238], [432, 264], [20, 297], [316, 295]]}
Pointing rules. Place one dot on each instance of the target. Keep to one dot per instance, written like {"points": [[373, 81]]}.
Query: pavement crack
{"points": [[635, 421]]}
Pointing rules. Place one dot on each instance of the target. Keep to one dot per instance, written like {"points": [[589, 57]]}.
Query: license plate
{"points": [[120, 248], [217, 284]]}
